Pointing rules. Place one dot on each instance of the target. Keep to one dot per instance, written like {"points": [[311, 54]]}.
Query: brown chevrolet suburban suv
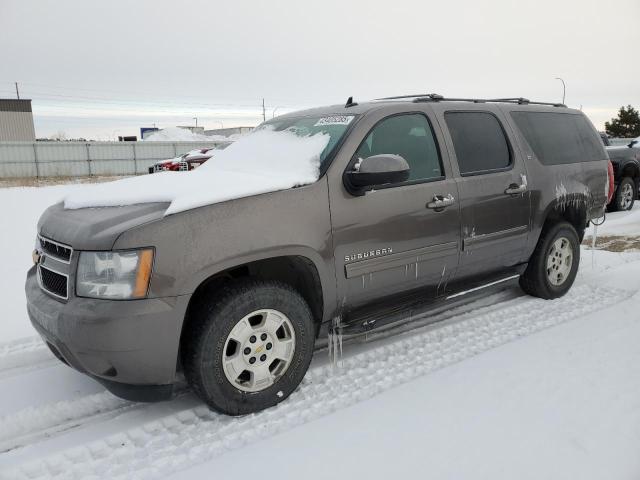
{"points": [[420, 200]]}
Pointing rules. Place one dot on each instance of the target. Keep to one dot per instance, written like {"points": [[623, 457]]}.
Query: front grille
{"points": [[183, 166], [53, 282], [56, 250]]}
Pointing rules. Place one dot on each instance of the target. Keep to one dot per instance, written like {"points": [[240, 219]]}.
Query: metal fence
{"points": [[79, 159]]}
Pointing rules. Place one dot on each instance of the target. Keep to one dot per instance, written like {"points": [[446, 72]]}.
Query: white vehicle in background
{"points": [[185, 162]]}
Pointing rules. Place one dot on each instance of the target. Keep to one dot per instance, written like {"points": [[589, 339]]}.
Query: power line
{"points": [[108, 98], [101, 90], [39, 93], [50, 99], [134, 102]]}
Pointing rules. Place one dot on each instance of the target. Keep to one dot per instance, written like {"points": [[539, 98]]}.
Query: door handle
{"points": [[515, 189], [440, 202]]}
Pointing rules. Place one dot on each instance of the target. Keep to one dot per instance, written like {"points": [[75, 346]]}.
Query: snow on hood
{"points": [[261, 162]]}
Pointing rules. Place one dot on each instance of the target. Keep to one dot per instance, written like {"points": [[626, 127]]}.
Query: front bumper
{"points": [[129, 346]]}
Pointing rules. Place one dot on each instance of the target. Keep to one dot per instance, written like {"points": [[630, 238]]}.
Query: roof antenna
{"points": [[350, 103]]}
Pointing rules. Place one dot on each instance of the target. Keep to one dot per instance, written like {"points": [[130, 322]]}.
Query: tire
{"points": [[236, 321], [625, 195], [553, 282]]}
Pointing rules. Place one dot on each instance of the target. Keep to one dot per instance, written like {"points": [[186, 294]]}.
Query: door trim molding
{"points": [[469, 243], [377, 264]]}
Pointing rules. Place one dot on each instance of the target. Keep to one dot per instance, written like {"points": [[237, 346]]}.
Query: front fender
{"points": [[195, 244], [325, 273]]}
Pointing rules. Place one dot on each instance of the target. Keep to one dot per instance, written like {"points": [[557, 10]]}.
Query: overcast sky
{"points": [[100, 69]]}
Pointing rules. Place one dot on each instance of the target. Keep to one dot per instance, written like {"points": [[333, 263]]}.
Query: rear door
{"points": [[492, 185], [392, 240]]}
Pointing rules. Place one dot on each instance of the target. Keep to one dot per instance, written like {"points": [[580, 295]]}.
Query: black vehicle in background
{"points": [[626, 171]]}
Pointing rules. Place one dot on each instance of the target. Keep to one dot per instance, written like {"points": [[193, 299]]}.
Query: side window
{"points": [[479, 142], [409, 136], [559, 138]]}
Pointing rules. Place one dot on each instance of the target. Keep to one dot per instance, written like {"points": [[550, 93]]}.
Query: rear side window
{"points": [[411, 137], [479, 141], [559, 138]]}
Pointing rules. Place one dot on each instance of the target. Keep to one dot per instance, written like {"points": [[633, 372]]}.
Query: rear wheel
{"points": [[554, 264], [625, 195], [249, 348]]}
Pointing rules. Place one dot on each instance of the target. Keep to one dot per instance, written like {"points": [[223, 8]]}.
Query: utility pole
{"points": [[264, 114], [17, 91]]}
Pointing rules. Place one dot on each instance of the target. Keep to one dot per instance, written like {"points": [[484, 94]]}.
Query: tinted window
{"points": [[409, 136], [479, 141], [559, 138]]}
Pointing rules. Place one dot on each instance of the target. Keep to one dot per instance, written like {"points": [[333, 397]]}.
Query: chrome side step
{"points": [[459, 294]]}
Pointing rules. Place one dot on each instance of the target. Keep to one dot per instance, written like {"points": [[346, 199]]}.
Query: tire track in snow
{"points": [[27, 425], [33, 424], [193, 436], [36, 423], [24, 354]]}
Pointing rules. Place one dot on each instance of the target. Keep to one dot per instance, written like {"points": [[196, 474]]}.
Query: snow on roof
{"points": [[261, 162], [177, 134]]}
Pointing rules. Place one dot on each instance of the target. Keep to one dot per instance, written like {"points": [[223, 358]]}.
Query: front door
{"points": [[396, 238], [494, 199]]}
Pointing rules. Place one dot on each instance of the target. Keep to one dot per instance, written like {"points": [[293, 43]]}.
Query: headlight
{"points": [[114, 275]]}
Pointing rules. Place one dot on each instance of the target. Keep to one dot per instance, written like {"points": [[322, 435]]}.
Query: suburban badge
{"points": [[379, 252]]}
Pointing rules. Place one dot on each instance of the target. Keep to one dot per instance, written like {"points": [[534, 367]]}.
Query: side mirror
{"points": [[633, 143], [378, 170]]}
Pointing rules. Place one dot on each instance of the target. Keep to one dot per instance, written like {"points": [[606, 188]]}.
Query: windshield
{"points": [[333, 125]]}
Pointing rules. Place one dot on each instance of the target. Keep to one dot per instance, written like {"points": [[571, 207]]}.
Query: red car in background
{"points": [[183, 163]]}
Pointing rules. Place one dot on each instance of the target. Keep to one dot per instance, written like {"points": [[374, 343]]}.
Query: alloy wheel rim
{"points": [[627, 196], [559, 261], [258, 350]]}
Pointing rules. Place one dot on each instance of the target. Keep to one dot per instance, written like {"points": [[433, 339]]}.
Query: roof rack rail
{"points": [[410, 96], [434, 97]]}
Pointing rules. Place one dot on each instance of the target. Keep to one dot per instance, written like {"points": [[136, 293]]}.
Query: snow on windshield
{"points": [[264, 161]]}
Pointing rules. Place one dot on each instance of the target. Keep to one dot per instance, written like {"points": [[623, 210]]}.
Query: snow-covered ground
{"points": [[508, 386]]}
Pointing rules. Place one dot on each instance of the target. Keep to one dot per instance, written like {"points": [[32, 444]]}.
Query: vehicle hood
{"points": [[622, 152], [95, 228]]}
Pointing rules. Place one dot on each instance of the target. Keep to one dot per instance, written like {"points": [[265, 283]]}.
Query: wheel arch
{"points": [[572, 210], [630, 169], [298, 271]]}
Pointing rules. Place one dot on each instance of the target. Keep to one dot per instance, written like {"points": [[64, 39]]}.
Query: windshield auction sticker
{"points": [[334, 120]]}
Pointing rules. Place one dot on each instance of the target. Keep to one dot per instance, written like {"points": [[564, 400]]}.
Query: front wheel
{"points": [[249, 348], [554, 264]]}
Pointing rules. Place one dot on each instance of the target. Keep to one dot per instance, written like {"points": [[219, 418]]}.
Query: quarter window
{"points": [[409, 136], [479, 142], [559, 138]]}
